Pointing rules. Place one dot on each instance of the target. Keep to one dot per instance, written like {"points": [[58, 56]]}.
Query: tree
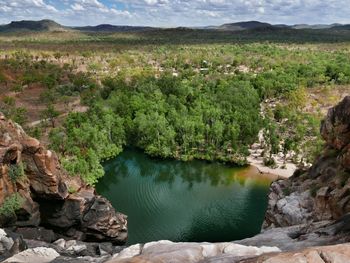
{"points": [[50, 114]]}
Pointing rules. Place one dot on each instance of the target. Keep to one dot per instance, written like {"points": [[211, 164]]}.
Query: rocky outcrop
{"points": [[161, 251], [322, 192], [166, 251], [327, 254], [34, 176]]}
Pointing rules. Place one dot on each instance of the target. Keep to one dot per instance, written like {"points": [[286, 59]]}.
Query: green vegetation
{"points": [[16, 171], [11, 204], [197, 97], [87, 139]]}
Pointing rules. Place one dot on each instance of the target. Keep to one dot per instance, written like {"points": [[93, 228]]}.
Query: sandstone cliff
{"points": [[47, 195], [323, 192]]}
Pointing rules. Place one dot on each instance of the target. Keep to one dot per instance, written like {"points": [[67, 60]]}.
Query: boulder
{"points": [[10, 244], [37, 255]]}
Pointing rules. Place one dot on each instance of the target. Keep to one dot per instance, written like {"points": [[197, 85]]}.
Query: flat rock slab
{"points": [[167, 251], [328, 254], [34, 255]]}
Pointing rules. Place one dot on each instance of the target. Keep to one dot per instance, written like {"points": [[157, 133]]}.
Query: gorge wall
{"points": [[323, 192], [46, 195]]}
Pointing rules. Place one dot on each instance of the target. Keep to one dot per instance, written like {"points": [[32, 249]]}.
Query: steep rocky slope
{"points": [[323, 192], [32, 180]]}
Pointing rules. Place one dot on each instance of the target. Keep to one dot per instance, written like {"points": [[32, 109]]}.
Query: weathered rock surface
{"points": [[327, 254], [306, 235], [43, 189], [37, 255], [322, 192], [166, 251]]}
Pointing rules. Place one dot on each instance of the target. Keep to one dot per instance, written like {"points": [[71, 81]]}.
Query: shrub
{"points": [[270, 162], [16, 171], [11, 205], [35, 132]]}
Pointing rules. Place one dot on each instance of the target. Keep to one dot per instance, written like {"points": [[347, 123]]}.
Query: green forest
{"points": [[178, 101]]}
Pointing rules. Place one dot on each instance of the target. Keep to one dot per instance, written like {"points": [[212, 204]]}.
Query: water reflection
{"points": [[194, 201], [134, 161]]}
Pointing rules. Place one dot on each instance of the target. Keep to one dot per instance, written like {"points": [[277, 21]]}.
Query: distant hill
{"points": [[37, 26], [112, 28], [341, 27], [248, 25], [317, 26], [50, 26]]}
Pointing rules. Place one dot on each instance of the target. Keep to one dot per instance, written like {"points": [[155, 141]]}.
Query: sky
{"points": [[171, 13]]}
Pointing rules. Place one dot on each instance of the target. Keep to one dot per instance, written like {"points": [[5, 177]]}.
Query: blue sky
{"points": [[176, 12]]}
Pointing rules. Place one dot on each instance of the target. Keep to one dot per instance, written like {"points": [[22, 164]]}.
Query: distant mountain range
{"points": [[249, 25], [52, 26], [38, 26]]}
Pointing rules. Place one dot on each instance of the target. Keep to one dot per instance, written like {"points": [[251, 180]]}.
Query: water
{"points": [[194, 201]]}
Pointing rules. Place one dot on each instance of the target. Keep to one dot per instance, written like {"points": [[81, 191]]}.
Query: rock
{"points": [[294, 209], [322, 192], [77, 249], [30, 145], [10, 244], [61, 243], [80, 260], [328, 254], [101, 222], [34, 255], [248, 251], [93, 215], [70, 243], [104, 249], [83, 215], [6, 242], [335, 129], [47, 182], [167, 251], [40, 234], [129, 252], [322, 203]]}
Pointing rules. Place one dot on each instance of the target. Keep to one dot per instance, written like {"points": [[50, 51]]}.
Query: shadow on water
{"points": [[184, 201]]}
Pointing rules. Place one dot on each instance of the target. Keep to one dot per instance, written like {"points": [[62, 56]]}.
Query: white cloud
{"points": [[77, 7], [176, 12]]}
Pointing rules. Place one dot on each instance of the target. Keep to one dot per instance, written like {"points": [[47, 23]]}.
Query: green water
{"points": [[178, 201]]}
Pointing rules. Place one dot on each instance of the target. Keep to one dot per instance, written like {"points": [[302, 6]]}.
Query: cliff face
{"points": [[323, 192], [47, 195]]}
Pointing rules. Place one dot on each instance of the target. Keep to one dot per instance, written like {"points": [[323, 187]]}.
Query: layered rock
{"points": [[326, 254], [43, 192]]}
